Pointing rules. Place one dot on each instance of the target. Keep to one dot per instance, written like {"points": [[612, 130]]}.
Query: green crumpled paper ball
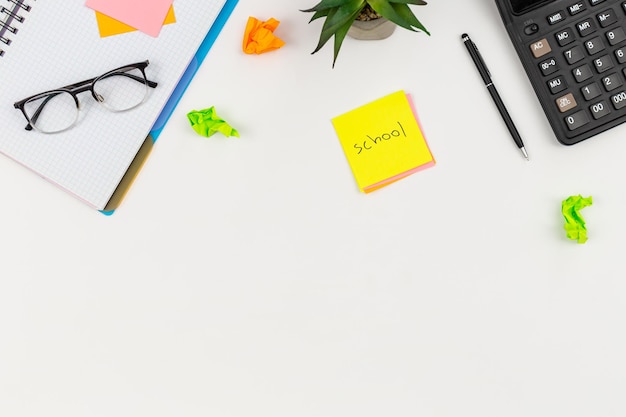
{"points": [[206, 123], [574, 222]]}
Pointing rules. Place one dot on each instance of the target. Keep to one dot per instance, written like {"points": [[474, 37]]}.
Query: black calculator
{"points": [[574, 53]]}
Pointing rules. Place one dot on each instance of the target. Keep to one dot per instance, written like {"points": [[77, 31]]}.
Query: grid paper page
{"points": [[58, 44]]}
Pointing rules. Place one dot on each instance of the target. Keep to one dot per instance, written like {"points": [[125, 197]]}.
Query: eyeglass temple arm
{"points": [[139, 79], [87, 83], [134, 77]]}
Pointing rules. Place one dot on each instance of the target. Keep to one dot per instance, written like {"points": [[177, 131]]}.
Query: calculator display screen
{"points": [[520, 6]]}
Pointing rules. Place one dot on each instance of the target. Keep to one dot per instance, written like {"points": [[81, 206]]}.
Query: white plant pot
{"points": [[375, 29]]}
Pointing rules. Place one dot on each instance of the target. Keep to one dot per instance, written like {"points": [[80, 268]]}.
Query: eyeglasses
{"points": [[57, 110]]}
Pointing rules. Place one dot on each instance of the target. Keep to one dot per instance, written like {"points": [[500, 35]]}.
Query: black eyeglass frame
{"points": [[81, 87]]}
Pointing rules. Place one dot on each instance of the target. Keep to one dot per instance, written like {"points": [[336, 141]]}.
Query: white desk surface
{"points": [[249, 277]]}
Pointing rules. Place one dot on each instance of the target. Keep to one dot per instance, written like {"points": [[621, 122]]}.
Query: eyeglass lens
{"points": [[121, 90], [52, 112]]}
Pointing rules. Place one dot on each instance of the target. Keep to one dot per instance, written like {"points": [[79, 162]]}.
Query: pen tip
{"points": [[524, 153]]}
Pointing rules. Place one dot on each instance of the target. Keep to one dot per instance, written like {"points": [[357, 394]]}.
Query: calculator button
{"points": [[574, 54], [616, 35], [595, 2], [556, 85], [599, 110], [565, 37], [611, 81], [619, 100], [607, 18], [531, 29], [576, 120], [555, 18], [566, 102], [548, 66], [576, 8], [594, 45], [591, 91], [582, 73], [586, 27], [540, 48], [604, 63]]}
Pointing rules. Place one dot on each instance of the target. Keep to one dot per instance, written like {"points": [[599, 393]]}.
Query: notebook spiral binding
{"points": [[9, 17]]}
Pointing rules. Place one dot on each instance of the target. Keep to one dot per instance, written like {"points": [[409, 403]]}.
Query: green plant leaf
{"points": [[326, 4], [340, 35], [318, 14], [416, 2], [325, 34], [337, 18], [404, 11], [388, 11]]}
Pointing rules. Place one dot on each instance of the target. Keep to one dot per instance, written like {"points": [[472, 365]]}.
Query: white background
{"points": [[250, 277]]}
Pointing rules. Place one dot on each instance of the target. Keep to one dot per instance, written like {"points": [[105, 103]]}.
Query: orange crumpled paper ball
{"points": [[259, 36]]}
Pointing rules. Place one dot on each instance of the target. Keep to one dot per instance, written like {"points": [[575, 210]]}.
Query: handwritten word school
{"points": [[371, 141]]}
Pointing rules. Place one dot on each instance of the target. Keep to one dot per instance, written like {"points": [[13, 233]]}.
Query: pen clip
{"points": [[480, 57]]}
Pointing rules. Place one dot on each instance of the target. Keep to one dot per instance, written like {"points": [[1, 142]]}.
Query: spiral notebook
{"points": [[47, 44]]}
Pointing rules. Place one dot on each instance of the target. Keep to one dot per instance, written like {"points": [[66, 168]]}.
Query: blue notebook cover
{"points": [[171, 104]]}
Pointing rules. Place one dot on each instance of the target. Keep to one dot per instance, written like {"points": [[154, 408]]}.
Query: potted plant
{"points": [[340, 16]]}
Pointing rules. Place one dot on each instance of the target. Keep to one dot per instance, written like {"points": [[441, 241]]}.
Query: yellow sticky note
{"points": [[109, 26], [383, 141]]}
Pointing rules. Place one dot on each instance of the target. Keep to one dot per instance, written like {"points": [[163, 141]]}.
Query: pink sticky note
{"points": [[145, 15]]}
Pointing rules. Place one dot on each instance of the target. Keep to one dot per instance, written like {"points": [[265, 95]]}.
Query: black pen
{"points": [[486, 76]]}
